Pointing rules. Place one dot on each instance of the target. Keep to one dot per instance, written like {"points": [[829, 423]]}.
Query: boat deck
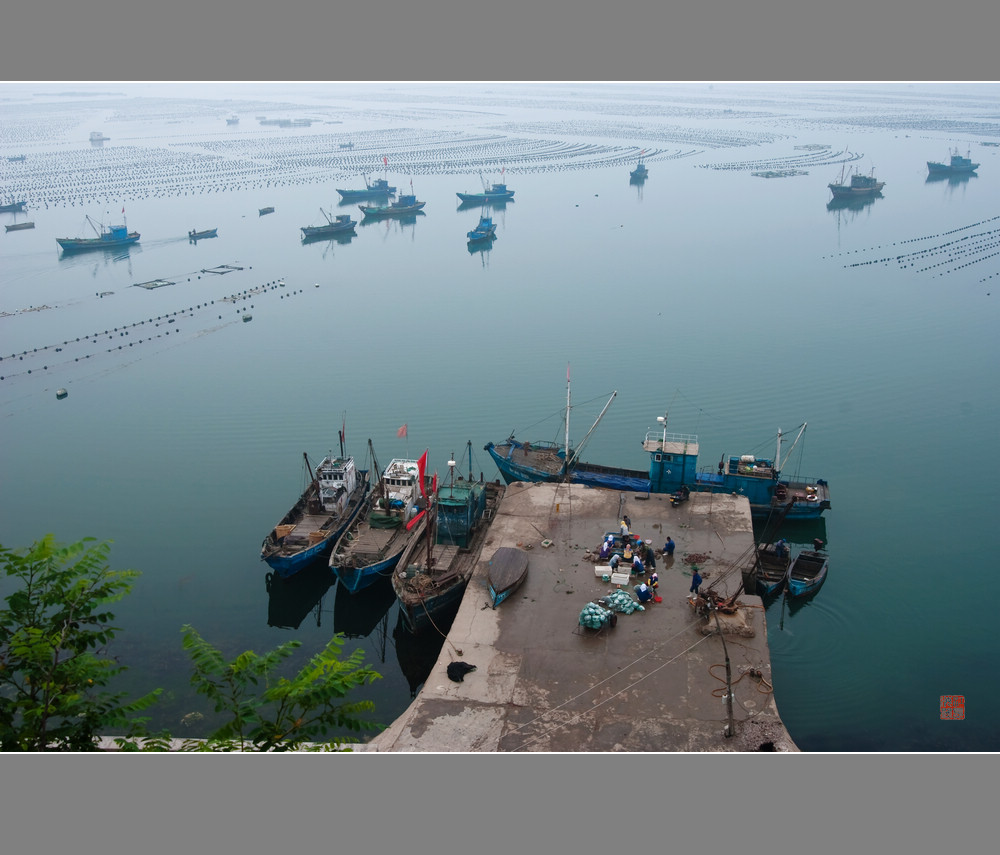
{"points": [[367, 545], [544, 459], [302, 535]]}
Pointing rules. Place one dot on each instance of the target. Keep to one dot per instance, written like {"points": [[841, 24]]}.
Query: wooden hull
{"points": [[208, 233], [327, 231], [506, 572], [17, 227], [84, 244], [12, 208], [772, 572]]}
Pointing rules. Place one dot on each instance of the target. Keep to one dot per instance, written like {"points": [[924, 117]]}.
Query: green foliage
{"points": [[272, 713], [54, 632]]}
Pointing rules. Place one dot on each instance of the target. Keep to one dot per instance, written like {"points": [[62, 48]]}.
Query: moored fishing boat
{"points": [[12, 207], [207, 233], [107, 237], [486, 230], [673, 464], [406, 204], [640, 173], [334, 225], [859, 185], [807, 572], [332, 500], [491, 192], [506, 572], [268, 210], [16, 227], [432, 575], [772, 570], [374, 189], [957, 164], [372, 545]]}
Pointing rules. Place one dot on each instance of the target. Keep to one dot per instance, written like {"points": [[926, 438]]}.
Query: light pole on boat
{"points": [[663, 420]]}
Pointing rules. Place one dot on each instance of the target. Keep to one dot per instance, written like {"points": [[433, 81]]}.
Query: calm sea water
{"points": [[738, 304]]}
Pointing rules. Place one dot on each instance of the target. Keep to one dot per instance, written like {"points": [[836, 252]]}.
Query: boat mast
{"points": [[579, 447], [91, 221], [566, 458], [779, 463]]}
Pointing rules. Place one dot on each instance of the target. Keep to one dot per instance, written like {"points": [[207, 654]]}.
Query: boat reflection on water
{"points": [[290, 600], [357, 615], [417, 653], [952, 179], [493, 204], [852, 203], [343, 238]]}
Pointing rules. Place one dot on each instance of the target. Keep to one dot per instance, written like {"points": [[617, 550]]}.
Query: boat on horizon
{"points": [[207, 233], [957, 164], [435, 570], [334, 225], [18, 158], [491, 192], [372, 545], [673, 464], [233, 120], [331, 501], [859, 185], [807, 572], [486, 230], [107, 237]]}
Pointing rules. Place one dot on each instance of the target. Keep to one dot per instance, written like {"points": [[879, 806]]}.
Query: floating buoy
{"points": [[61, 393]]}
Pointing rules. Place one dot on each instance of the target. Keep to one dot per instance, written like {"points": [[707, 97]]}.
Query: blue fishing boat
{"points": [[391, 517], [332, 500], [107, 237], [807, 573], [957, 164], [486, 230], [207, 233], [373, 190], [640, 173], [772, 570], [491, 193], [673, 464], [334, 225], [12, 208], [433, 574]]}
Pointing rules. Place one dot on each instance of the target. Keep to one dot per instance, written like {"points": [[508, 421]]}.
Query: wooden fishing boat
{"points": [[807, 572], [506, 571], [268, 210], [640, 173], [17, 227], [391, 517], [207, 233], [956, 165], [12, 207], [433, 574], [405, 204], [859, 186], [373, 189], [772, 570], [332, 501]]}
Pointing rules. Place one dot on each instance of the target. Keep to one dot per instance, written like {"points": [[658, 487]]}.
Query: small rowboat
{"points": [[208, 233], [807, 573], [507, 570]]}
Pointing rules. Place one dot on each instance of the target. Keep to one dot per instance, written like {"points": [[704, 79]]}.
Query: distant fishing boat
{"points": [[486, 230], [406, 204], [859, 185], [207, 233], [98, 136], [12, 207], [491, 193], [807, 572], [233, 120], [372, 545], [19, 158], [432, 575], [957, 164], [107, 237], [16, 227], [506, 572], [334, 225], [267, 210], [378, 187], [640, 172], [332, 500]]}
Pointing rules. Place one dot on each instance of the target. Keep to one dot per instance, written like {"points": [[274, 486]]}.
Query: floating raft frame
{"points": [[154, 283], [221, 269]]}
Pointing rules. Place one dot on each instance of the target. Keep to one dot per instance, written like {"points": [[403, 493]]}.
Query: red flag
{"points": [[385, 161], [123, 209], [413, 522], [434, 486], [502, 171], [401, 432], [421, 468]]}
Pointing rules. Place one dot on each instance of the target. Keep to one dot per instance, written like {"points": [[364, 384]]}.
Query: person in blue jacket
{"points": [[668, 548]]}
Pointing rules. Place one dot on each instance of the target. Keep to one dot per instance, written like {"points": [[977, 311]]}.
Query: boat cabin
{"points": [[337, 478], [673, 460]]}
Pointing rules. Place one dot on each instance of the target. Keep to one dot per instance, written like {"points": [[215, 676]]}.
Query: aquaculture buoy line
{"points": [[954, 255], [812, 158], [14, 365]]}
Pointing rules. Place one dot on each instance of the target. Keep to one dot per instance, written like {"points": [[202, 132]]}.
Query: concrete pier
{"points": [[654, 682]]}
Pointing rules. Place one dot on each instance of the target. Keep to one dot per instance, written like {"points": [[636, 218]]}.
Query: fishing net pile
{"points": [[622, 602], [593, 616]]}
